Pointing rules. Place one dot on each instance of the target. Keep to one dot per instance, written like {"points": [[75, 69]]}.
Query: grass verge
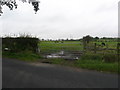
{"points": [[97, 65], [25, 56], [85, 63]]}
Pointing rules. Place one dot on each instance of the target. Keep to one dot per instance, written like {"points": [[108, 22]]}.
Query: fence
{"points": [[61, 49], [76, 48], [106, 52]]}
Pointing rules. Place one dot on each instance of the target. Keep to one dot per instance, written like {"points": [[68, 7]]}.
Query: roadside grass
{"points": [[85, 62], [91, 56], [0, 53], [97, 65], [25, 56], [107, 62], [59, 61]]}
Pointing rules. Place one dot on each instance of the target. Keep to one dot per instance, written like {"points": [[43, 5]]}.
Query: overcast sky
{"points": [[63, 19]]}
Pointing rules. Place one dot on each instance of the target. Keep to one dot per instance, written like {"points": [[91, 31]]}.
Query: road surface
{"points": [[19, 74]]}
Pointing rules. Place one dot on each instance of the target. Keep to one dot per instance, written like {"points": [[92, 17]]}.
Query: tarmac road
{"points": [[19, 74]]}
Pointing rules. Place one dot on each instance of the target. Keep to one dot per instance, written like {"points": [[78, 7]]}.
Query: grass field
{"points": [[51, 46], [112, 45]]}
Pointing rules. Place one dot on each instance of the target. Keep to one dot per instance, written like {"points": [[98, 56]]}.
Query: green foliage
{"points": [[97, 65], [11, 4], [91, 56], [87, 39], [25, 56], [19, 44], [109, 57]]}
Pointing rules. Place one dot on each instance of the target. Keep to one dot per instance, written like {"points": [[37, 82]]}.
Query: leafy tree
{"points": [[97, 38], [104, 38], [87, 39], [12, 4]]}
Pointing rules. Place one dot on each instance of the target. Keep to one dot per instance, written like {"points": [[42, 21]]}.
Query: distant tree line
{"points": [[87, 37]]}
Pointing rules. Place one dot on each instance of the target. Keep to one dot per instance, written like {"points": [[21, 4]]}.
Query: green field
{"points": [[109, 44], [51, 46]]}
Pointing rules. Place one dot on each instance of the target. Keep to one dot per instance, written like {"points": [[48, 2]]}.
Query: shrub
{"points": [[98, 65], [19, 44], [110, 58], [89, 56]]}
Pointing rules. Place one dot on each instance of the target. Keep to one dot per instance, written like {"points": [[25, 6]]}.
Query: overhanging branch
{"points": [[12, 4]]}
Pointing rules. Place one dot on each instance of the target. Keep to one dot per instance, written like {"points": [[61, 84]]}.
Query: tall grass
{"points": [[97, 65], [25, 56]]}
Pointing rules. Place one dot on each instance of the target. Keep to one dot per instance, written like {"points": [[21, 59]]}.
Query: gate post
{"points": [[95, 47], [118, 51]]}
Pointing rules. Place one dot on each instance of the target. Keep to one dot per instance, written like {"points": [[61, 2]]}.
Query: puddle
{"points": [[63, 55]]}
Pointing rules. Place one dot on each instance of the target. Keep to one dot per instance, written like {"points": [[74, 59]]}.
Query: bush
{"points": [[97, 65], [89, 56], [110, 58], [19, 44]]}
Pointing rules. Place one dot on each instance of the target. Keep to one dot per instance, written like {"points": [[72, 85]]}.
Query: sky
{"points": [[62, 19]]}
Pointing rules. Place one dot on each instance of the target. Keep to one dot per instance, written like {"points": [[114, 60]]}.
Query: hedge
{"points": [[19, 44]]}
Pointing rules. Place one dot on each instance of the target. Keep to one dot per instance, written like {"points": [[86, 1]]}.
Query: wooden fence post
{"points": [[95, 47], [84, 47], [118, 51]]}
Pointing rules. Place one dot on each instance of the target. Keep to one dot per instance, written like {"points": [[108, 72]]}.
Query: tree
{"points": [[96, 38], [12, 4], [87, 39]]}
